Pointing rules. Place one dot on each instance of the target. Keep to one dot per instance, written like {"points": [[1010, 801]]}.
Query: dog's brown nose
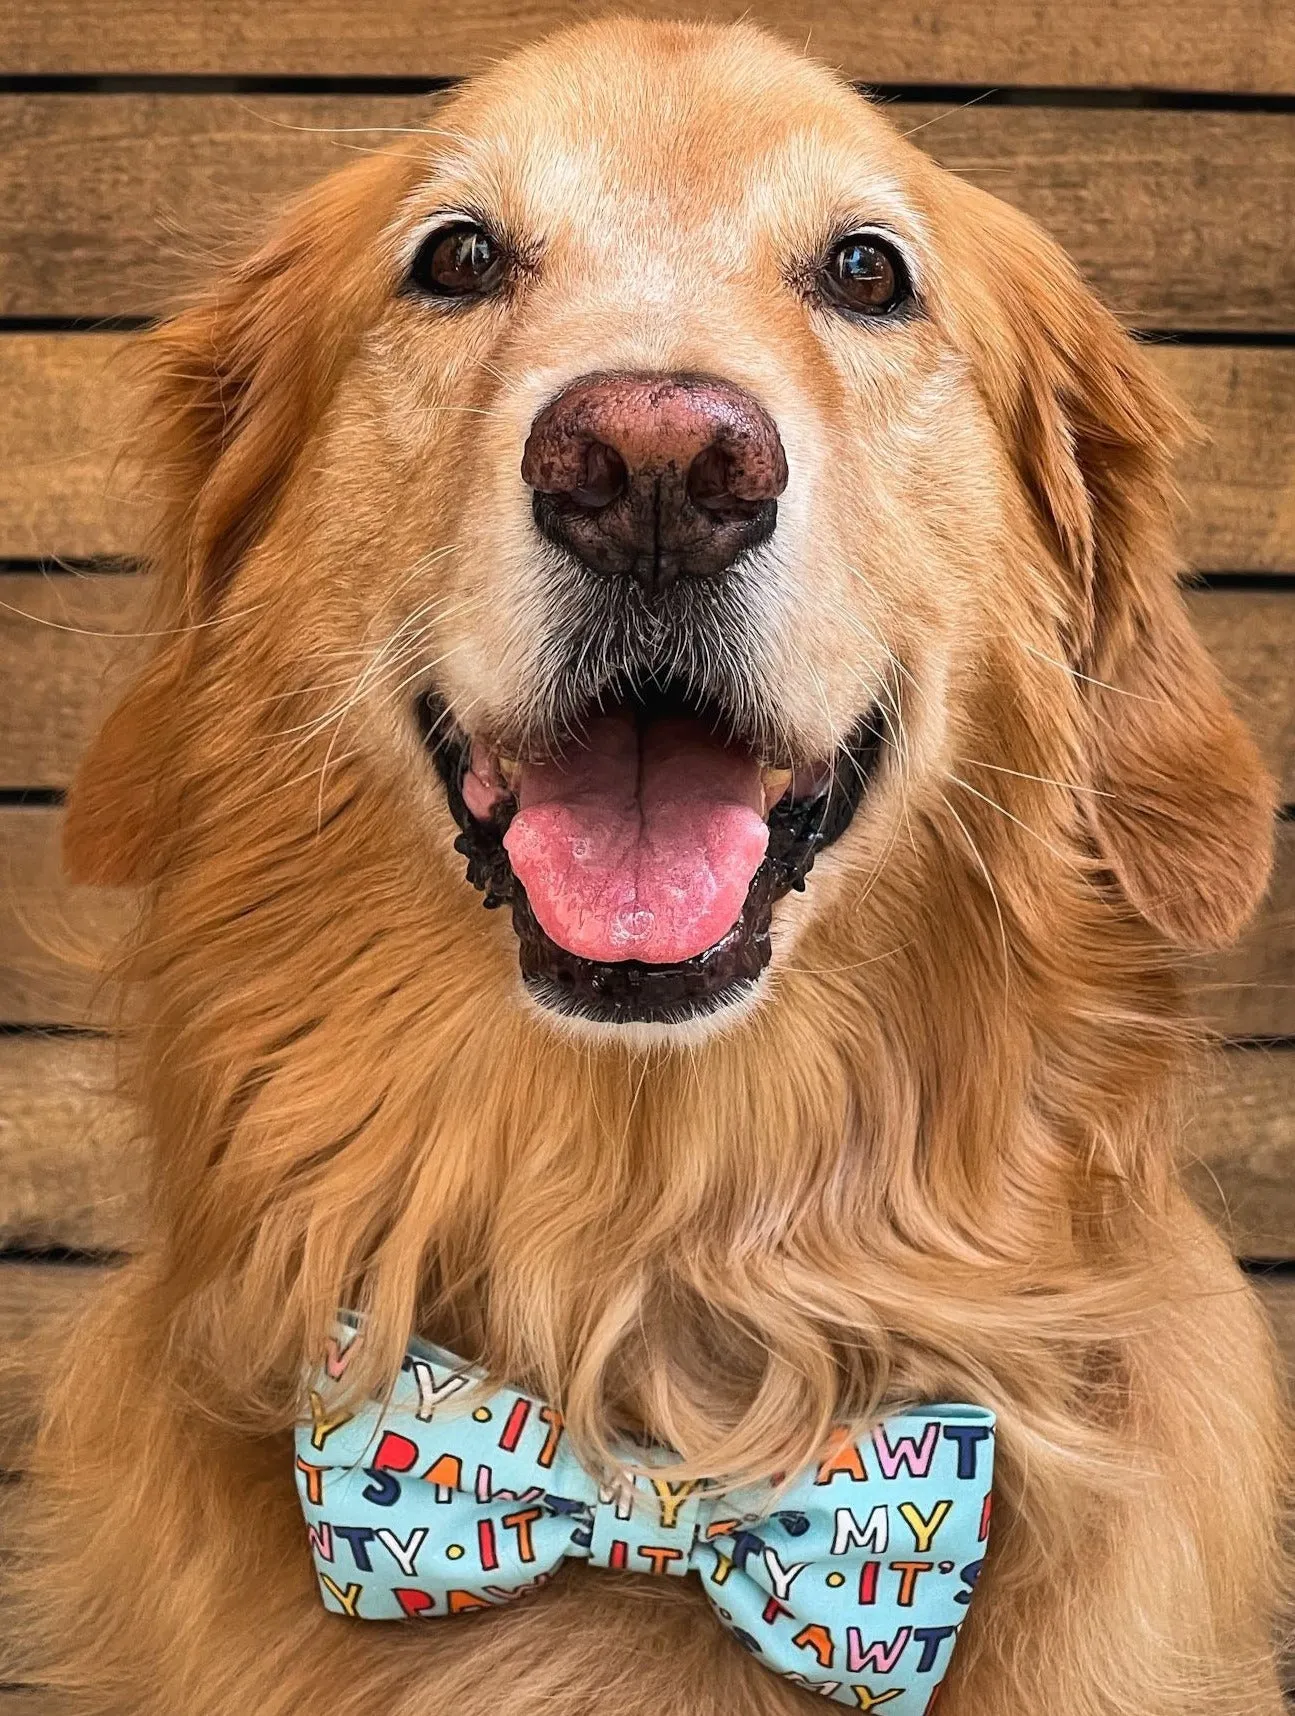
{"points": [[655, 477]]}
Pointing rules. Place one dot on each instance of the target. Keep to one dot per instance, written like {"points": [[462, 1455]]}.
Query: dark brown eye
{"points": [[866, 274], [459, 261]]}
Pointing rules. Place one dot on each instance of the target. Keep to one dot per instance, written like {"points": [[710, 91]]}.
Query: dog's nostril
{"points": [[603, 478], [710, 485]]}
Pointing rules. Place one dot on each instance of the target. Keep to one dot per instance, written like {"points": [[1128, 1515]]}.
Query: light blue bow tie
{"points": [[852, 1580]]}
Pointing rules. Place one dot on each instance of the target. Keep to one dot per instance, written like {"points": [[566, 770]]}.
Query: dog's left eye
{"points": [[866, 274], [459, 261]]}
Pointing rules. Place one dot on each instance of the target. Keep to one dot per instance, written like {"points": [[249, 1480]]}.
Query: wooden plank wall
{"points": [[1154, 138]]}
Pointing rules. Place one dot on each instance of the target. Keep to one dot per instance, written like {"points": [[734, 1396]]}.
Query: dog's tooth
{"points": [[511, 772], [774, 783]]}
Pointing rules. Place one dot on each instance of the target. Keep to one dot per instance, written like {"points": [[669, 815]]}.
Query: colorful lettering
{"points": [[658, 1556], [459, 1601], [849, 1534], [824, 1688], [414, 1603], [314, 1476], [521, 1522], [878, 1655], [782, 1578], [866, 1699], [924, 1530], [553, 1418], [358, 1537], [819, 1640], [321, 1539], [515, 1423], [619, 1497], [395, 1454], [446, 1473], [348, 1598], [930, 1639], [405, 1555], [968, 1437], [322, 1426], [908, 1574], [338, 1355], [671, 1498], [841, 1455], [907, 1452], [432, 1393]]}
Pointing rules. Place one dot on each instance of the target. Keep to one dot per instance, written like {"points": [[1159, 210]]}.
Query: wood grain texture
{"points": [[65, 400], [67, 648], [1239, 484], [1241, 1143], [108, 203], [1235, 45], [53, 938], [64, 414], [72, 1168], [68, 645], [71, 1163]]}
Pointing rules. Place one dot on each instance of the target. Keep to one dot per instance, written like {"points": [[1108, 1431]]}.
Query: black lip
{"points": [[628, 991]]}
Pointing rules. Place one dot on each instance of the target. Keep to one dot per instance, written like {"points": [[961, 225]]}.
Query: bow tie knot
{"points": [[853, 1579]]}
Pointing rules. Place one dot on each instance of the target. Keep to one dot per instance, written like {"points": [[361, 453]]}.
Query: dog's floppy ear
{"points": [[1182, 809], [234, 384]]}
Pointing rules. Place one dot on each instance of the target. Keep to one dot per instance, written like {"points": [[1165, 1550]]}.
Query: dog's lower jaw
{"points": [[683, 1033]]}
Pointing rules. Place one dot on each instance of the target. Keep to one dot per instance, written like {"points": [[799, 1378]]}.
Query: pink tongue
{"points": [[642, 843]]}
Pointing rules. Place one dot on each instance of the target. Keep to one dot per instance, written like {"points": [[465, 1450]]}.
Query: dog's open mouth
{"points": [[643, 860]]}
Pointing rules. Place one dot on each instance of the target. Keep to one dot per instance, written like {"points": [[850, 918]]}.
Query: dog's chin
{"points": [[655, 1000]]}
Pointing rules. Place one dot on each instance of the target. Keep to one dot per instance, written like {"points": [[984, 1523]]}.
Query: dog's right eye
{"points": [[459, 261]]}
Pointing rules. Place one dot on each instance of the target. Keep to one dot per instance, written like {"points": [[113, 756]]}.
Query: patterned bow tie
{"points": [[852, 1580]]}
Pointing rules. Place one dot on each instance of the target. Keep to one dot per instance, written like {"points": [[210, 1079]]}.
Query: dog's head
{"points": [[659, 492], [654, 481]]}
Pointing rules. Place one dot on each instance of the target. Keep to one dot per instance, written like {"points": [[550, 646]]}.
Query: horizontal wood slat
{"points": [[107, 202], [64, 407], [51, 935], [63, 660], [1235, 45], [1241, 1141], [1239, 483], [65, 403], [71, 1165], [67, 648], [72, 1170]]}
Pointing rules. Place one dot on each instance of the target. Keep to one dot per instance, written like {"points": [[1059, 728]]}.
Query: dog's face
{"points": [[686, 492], [657, 480]]}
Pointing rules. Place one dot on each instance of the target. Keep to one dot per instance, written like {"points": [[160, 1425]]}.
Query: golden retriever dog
{"points": [[659, 502]]}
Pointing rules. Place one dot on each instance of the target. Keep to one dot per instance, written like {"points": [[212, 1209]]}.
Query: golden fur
{"points": [[935, 1158]]}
